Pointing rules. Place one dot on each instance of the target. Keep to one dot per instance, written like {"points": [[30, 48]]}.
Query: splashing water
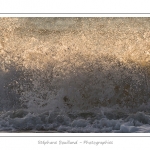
{"points": [[75, 74]]}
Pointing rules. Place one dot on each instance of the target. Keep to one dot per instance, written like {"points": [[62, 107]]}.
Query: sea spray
{"points": [[74, 74]]}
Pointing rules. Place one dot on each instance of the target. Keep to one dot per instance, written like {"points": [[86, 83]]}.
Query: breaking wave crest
{"points": [[75, 74]]}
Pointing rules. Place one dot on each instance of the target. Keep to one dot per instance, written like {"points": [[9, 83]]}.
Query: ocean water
{"points": [[75, 75]]}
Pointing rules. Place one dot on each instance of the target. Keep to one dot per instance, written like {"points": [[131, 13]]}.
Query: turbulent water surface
{"points": [[75, 75]]}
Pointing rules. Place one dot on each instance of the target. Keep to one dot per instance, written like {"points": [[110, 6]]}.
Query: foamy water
{"points": [[75, 74]]}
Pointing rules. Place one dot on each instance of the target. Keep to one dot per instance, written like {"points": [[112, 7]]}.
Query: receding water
{"points": [[75, 74]]}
